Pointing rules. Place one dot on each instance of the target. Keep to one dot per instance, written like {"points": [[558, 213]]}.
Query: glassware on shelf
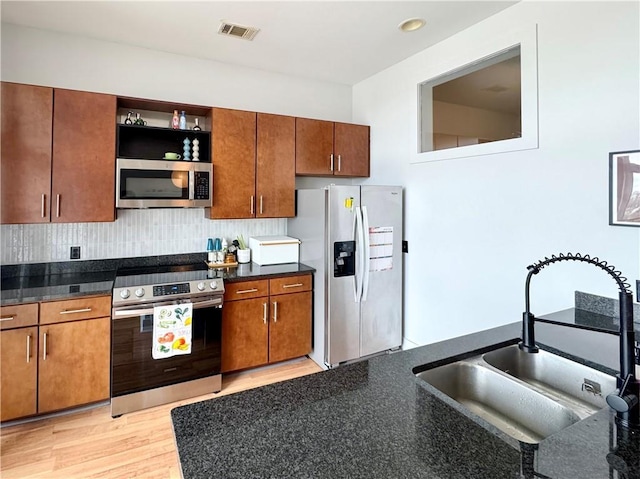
{"points": [[175, 121], [197, 125], [183, 121], [128, 120]]}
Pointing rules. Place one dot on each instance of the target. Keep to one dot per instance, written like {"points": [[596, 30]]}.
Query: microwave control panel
{"points": [[202, 185]]}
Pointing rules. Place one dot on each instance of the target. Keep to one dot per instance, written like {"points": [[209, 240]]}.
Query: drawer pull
{"points": [[58, 206], [275, 311], [44, 349], [243, 291], [264, 313], [8, 318], [73, 311], [43, 210], [251, 205], [295, 285], [28, 347]]}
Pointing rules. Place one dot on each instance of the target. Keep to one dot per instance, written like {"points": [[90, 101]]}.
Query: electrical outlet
{"points": [[405, 246], [75, 252]]}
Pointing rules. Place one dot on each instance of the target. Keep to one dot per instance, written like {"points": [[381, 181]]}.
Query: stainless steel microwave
{"points": [[163, 184]]}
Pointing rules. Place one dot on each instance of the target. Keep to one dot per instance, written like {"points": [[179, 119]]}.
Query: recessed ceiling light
{"points": [[412, 24]]}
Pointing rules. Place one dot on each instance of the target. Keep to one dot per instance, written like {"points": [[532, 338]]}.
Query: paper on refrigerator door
{"points": [[380, 248]]}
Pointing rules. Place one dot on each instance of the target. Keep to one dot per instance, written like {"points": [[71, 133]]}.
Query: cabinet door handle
{"points": [[58, 206], [28, 347], [275, 311], [331, 156], [295, 285], [243, 291], [339, 162], [7, 318], [251, 204], [264, 313], [44, 347], [43, 211], [72, 311], [260, 204]]}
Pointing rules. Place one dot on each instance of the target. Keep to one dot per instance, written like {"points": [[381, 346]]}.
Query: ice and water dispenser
{"points": [[344, 258]]}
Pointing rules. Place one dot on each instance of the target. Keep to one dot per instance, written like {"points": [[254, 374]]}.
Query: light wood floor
{"points": [[91, 444]]}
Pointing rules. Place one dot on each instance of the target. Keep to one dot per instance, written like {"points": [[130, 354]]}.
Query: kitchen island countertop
{"points": [[373, 419]]}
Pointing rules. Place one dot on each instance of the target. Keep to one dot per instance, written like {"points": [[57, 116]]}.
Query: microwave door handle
{"points": [[192, 182]]}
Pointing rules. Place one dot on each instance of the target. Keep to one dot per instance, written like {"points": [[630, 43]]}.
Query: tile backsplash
{"points": [[144, 232]]}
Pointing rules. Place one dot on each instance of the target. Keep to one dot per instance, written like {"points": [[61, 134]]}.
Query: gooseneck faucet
{"points": [[625, 400]]}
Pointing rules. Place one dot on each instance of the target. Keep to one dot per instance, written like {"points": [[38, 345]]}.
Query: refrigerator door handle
{"points": [[366, 254], [360, 255]]}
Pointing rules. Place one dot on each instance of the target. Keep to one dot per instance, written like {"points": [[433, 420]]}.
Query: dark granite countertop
{"points": [[30, 283], [374, 419], [588, 320], [251, 271]]}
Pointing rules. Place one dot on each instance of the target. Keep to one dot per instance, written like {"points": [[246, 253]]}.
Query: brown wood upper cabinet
{"points": [[253, 164], [25, 162], [325, 148], [58, 155], [84, 157]]}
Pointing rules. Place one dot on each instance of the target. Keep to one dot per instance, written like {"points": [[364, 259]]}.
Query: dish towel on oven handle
{"points": [[171, 330]]}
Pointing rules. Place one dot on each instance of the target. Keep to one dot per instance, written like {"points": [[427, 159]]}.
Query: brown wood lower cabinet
{"points": [[244, 334], [18, 372], [73, 363], [62, 362], [266, 321], [290, 329]]}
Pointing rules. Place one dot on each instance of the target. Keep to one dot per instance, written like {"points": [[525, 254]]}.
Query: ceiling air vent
{"points": [[239, 31]]}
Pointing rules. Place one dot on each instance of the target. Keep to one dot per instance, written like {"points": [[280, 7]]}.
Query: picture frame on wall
{"points": [[624, 188]]}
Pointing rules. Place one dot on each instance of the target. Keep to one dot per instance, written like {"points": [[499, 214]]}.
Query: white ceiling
{"points": [[336, 41]]}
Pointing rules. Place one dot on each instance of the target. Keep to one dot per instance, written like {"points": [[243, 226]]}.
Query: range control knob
{"points": [[214, 285], [201, 286], [140, 292], [124, 294]]}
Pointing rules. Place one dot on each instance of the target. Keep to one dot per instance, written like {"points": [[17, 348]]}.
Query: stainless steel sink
{"points": [[581, 386], [527, 396]]}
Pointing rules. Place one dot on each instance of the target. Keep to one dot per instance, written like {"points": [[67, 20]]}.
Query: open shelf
{"points": [[151, 142]]}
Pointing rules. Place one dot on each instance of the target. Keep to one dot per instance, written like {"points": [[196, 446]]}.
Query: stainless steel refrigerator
{"points": [[352, 236]]}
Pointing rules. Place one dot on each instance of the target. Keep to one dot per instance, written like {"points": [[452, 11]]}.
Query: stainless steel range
{"points": [[177, 369]]}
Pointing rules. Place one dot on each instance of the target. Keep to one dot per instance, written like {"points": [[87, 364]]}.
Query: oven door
{"points": [[133, 367]]}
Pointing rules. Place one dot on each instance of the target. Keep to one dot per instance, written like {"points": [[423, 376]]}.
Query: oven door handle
{"points": [[130, 313], [207, 303]]}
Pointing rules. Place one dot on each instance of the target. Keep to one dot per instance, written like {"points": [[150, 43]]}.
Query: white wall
{"points": [[65, 61], [45, 58], [474, 224]]}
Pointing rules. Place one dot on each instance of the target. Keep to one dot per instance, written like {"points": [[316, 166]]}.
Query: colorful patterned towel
{"points": [[171, 330]]}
